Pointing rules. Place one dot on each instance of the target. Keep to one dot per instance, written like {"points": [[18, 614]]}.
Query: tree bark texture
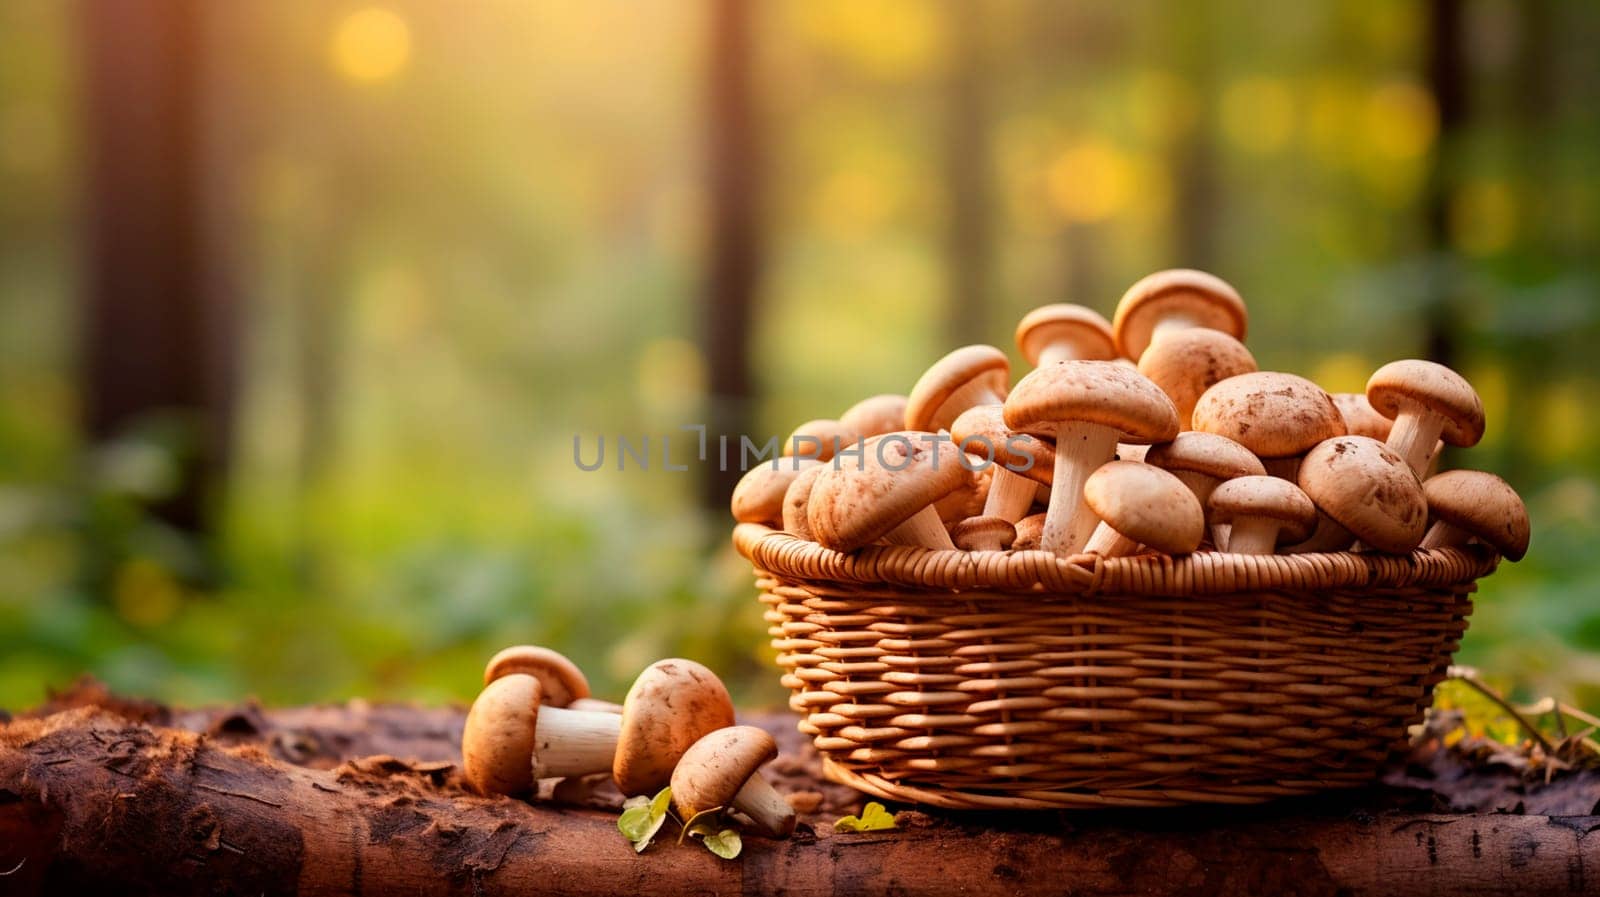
{"points": [[110, 796]]}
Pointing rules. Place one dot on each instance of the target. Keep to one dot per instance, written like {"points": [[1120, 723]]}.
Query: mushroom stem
{"points": [[765, 807], [1444, 535], [1058, 350], [1081, 449], [595, 705], [1107, 542], [574, 742], [1010, 495], [924, 529], [1252, 535], [1170, 322], [1414, 436], [1329, 535]]}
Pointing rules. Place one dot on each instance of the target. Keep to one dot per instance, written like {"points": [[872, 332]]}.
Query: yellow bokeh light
{"points": [[671, 376], [854, 202], [1483, 217], [1091, 181], [1494, 390], [371, 45], [891, 39], [1342, 372], [1161, 107], [1258, 114], [1563, 422], [1402, 120], [1333, 113]]}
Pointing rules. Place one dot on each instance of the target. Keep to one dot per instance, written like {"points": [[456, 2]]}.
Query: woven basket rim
{"points": [[1207, 572]]}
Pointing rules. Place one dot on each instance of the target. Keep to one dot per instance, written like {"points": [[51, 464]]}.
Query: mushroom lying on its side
{"points": [[1472, 504], [723, 769]]}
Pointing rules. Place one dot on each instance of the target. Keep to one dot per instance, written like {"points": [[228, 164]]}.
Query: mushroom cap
{"points": [[898, 474], [983, 426], [973, 532], [1186, 363], [1030, 530], [1481, 504], [925, 407], [824, 431], [968, 499], [875, 415], [796, 500], [1096, 392], [1206, 299], [1273, 414], [1085, 328], [1433, 386], [1264, 496], [716, 766], [1367, 489], [670, 706], [1205, 453], [1146, 504], [1360, 418], [497, 741], [559, 678], [758, 497]]}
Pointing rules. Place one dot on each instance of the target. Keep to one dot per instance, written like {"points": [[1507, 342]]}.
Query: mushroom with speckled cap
{"points": [[887, 492], [1277, 416], [1020, 462], [723, 769], [1204, 460], [1172, 300], [1368, 489], [874, 416], [968, 376], [673, 704], [1474, 504], [513, 736], [1087, 407], [1428, 402], [983, 534], [1360, 419], [758, 496], [1261, 512], [1186, 363], [1063, 332], [1141, 505]]}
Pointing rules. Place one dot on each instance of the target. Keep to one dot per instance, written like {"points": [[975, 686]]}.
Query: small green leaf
{"points": [[725, 844], [641, 821], [873, 818]]}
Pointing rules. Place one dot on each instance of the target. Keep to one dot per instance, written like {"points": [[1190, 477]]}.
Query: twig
{"points": [[216, 790], [1466, 674], [15, 869]]}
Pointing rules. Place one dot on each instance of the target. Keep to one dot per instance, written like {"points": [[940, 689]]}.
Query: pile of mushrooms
{"points": [[1153, 432], [535, 720]]}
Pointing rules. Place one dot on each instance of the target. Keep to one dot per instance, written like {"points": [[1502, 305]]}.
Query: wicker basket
{"points": [[1019, 680]]}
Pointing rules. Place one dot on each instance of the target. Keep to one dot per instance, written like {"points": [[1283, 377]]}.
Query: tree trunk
{"points": [[734, 264], [158, 318], [1447, 80], [139, 800], [968, 254]]}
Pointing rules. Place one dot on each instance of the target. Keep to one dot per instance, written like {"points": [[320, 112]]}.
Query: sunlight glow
{"points": [[371, 45], [1091, 181], [1258, 114]]}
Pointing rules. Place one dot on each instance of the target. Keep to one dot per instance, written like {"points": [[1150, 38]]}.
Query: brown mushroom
{"points": [[968, 500], [887, 492], [1277, 416], [968, 376], [1203, 460], [1030, 530], [1261, 512], [1019, 463], [1172, 300], [758, 496], [513, 737], [818, 439], [1186, 363], [560, 678], [1473, 504], [797, 499], [723, 769], [1062, 332], [1141, 505], [1428, 402], [983, 534], [874, 416], [673, 704], [1360, 419], [1087, 407], [1369, 490]]}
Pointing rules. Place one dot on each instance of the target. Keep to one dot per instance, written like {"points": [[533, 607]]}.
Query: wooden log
{"points": [[95, 801]]}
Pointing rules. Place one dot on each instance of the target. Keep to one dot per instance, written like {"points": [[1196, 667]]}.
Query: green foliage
{"points": [[643, 817]]}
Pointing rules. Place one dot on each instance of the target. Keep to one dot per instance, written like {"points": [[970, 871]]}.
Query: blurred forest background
{"points": [[302, 304]]}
